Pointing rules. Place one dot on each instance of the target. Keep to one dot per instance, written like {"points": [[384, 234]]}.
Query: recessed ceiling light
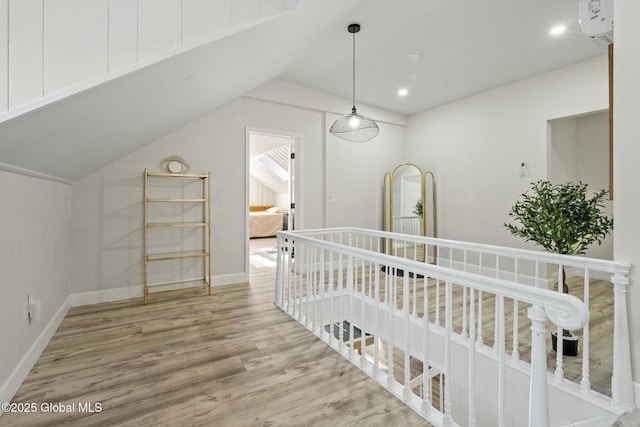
{"points": [[414, 56], [403, 92], [557, 30]]}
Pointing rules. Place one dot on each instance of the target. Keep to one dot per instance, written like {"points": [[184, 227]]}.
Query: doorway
{"points": [[271, 190], [578, 151]]}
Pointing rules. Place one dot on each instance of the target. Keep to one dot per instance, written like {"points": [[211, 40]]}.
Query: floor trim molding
{"points": [[19, 374]]}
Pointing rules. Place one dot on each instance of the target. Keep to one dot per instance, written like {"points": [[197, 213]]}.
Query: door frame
{"points": [[296, 147]]}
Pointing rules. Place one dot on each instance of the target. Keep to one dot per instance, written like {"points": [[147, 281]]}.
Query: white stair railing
{"points": [[326, 278], [536, 268]]}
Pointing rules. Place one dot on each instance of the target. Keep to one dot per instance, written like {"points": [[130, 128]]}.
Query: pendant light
{"points": [[354, 127]]}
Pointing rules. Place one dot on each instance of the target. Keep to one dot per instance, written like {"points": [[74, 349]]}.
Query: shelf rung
{"points": [[202, 282], [176, 200], [176, 255], [176, 224], [177, 175]]}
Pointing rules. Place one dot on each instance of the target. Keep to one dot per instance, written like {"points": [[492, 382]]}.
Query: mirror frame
{"points": [[426, 213]]}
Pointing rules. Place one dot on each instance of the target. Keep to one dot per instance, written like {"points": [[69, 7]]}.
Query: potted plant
{"points": [[563, 219]]}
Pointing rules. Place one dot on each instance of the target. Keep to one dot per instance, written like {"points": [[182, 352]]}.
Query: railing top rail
{"points": [[564, 310], [525, 254]]}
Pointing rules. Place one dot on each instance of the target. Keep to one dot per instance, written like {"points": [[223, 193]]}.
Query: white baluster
{"points": [[464, 312], [585, 383], [308, 287], [480, 340], [496, 326], [415, 295], [350, 289], [480, 337], [447, 420], [314, 292], [437, 320], [621, 381], [322, 292], [341, 292], [290, 273], [472, 360], [363, 343], [515, 357], [407, 326], [376, 338], [559, 373], [332, 316], [502, 378], [279, 279], [392, 303], [300, 269], [426, 381], [538, 397]]}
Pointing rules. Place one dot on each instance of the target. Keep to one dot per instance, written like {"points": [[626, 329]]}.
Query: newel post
{"points": [[621, 381], [538, 395]]}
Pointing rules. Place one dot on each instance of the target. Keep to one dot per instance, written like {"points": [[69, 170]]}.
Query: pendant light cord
{"points": [[353, 110]]}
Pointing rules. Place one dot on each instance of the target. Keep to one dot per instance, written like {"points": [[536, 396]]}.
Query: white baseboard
{"points": [[129, 292], [107, 295], [19, 374], [230, 279]]}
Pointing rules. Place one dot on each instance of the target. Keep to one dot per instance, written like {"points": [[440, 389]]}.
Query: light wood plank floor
{"points": [[232, 359]]}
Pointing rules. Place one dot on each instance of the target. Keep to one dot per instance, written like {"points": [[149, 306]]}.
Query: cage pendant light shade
{"points": [[355, 127]]}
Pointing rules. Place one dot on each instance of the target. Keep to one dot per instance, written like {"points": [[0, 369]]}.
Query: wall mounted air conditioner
{"points": [[596, 20]]}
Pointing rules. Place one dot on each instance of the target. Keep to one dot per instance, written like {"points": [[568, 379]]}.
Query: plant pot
{"points": [[569, 344]]}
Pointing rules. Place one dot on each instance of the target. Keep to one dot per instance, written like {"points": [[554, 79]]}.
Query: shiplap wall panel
{"points": [[203, 18], [260, 194], [25, 51], [160, 27], [4, 55], [75, 42], [244, 10], [123, 33], [50, 47]]}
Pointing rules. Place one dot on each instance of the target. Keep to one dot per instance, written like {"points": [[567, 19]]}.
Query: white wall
{"points": [[626, 131], [107, 205], [355, 175], [592, 136], [562, 164], [475, 146], [34, 257]]}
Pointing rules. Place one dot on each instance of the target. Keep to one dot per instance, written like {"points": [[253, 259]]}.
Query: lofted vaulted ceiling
{"points": [[466, 48]]}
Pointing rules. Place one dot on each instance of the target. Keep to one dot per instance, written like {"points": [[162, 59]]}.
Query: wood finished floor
{"points": [[232, 359]]}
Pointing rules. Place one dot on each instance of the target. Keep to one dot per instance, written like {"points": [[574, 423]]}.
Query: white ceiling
{"points": [[467, 47]]}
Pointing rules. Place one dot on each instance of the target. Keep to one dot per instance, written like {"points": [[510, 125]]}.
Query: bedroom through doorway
{"points": [[270, 193]]}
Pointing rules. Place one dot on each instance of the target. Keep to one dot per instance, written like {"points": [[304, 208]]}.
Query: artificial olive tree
{"points": [[561, 218]]}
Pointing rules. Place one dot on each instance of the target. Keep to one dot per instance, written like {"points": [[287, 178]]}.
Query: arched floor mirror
{"points": [[409, 208]]}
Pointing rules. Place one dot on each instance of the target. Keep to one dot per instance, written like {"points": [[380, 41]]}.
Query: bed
{"points": [[265, 221]]}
